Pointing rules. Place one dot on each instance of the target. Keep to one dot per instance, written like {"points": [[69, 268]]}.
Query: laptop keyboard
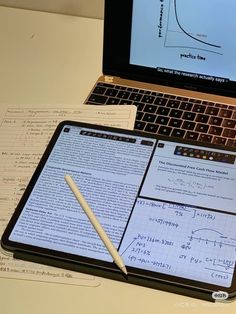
{"points": [[172, 115]]}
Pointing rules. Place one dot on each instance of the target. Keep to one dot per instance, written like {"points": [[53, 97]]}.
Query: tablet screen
{"points": [[168, 207]]}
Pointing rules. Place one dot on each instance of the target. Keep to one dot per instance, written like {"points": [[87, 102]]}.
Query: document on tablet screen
{"points": [[108, 169], [189, 175], [168, 207]]}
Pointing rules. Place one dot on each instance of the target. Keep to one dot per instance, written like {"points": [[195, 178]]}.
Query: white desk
{"points": [[49, 58]]}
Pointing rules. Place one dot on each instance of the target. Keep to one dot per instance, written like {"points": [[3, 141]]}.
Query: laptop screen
{"points": [[171, 42]]}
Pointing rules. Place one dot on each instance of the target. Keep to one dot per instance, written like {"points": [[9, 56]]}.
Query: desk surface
{"points": [[49, 58]]}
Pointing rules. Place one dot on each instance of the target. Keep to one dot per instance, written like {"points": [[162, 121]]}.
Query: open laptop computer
{"points": [[174, 60]]}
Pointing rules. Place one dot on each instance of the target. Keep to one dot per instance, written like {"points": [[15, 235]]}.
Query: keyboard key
{"points": [[157, 94], [98, 99], [173, 103], [215, 121], [148, 99], [120, 87], [193, 136], [160, 101], [150, 108], [186, 106], [215, 130], [162, 120], [199, 108], [99, 90], [135, 97], [182, 98], [123, 94], [164, 130], [208, 103], [189, 116], [139, 115], [205, 138], [112, 101], [212, 111], [169, 96], [178, 133], [225, 113], [202, 118], [163, 111], [111, 92], [175, 113], [148, 117], [203, 128], [176, 123], [219, 140], [152, 128], [144, 91], [139, 125], [195, 101], [189, 125], [221, 106], [229, 133], [231, 143], [229, 123]]}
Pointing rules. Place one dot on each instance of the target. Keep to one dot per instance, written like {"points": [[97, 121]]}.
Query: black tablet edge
{"points": [[117, 275]]}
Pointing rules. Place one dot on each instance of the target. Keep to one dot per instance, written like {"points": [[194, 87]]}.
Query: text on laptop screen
{"points": [[188, 38]]}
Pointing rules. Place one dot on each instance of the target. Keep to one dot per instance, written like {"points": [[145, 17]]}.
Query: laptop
{"points": [[175, 62]]}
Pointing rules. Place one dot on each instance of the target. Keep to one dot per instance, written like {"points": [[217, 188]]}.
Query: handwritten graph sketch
{"points": [[182, 241]]}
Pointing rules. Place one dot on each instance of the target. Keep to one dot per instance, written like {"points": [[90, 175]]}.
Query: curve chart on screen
{"points": [[194, 34], [187, 36]]}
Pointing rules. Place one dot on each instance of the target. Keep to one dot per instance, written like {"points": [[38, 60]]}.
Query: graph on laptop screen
{"points": [[184, 38]]}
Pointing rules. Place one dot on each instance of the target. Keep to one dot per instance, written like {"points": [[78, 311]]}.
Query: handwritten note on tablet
{"points": [[178, 239], [24, 134]]}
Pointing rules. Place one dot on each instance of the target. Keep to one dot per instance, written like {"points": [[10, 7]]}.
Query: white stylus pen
{"points": [[96, 224]]}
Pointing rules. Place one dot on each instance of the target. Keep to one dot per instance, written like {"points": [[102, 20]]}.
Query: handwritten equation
{"points": [[180, 240]]}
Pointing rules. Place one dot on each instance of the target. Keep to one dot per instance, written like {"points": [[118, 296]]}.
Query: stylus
{"points": [[96, 224]]}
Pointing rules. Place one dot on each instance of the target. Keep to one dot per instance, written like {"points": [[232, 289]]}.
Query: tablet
{"points": [[169, 207]]}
